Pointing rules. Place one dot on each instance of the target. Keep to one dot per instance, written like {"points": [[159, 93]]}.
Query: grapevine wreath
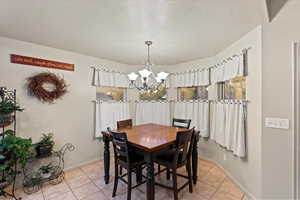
{"points": [[37, 86]]}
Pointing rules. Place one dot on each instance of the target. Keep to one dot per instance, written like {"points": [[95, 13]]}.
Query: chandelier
{"points": [[146, 80]]}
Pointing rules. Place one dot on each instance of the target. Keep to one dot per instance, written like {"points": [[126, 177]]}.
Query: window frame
{"points": [[125, 94]]}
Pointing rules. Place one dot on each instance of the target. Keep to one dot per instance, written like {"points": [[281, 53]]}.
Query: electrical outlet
{"points": [[277, 123]]}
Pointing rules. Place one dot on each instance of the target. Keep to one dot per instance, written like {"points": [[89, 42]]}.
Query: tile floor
{"points": [[86, 183]]}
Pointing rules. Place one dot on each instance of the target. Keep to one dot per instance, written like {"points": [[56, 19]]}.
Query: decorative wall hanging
{"points": [[46, 86], [25, 60]]}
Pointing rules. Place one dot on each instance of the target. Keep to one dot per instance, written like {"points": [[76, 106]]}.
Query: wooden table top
{"points": [[151, 137]]}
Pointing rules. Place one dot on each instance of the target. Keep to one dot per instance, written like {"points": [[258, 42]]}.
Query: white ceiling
{"points": [[181, 30]]}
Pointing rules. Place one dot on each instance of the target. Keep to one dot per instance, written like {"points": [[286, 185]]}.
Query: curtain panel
{"points": [[109, 79], [228, 126], [230, 69], [157, 112], [191, 78], [197, 111], [107, 115]]}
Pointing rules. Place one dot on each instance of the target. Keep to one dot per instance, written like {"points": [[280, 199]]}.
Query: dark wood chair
{"points": [[178, 157], [181, 123], [127, 159], [124, 123]]}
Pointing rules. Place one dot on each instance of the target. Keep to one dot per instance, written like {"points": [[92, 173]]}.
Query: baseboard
{"points": [[248, 194]]}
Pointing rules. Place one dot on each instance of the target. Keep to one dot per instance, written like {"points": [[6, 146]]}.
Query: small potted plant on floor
{"points": [[7, 107], [45, 146]]}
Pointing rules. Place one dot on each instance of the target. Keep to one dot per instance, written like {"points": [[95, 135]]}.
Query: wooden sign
{"points": [[40, 62]]}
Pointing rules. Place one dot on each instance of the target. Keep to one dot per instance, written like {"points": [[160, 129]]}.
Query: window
{"points": [[234, 88], [111, 94], [160, 94], [193, 93]]}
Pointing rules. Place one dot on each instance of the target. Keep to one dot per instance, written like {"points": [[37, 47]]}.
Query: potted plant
{"points": [[46, 170], [45, 145], [7, 107], [13, 150]]}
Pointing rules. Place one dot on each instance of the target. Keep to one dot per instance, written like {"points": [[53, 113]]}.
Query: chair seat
{"points": [[135, 160], [167, 158]]}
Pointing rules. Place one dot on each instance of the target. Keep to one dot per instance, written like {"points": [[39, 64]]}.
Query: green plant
{"points": [[8, 106], [20, 149], [46, 139]]}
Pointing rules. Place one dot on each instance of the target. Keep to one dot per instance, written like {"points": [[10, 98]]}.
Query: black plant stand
{"points": [[10, 95], [34, 178]]}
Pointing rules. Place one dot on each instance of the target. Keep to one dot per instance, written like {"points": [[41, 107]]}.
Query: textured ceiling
{"points": [[181, 30]]}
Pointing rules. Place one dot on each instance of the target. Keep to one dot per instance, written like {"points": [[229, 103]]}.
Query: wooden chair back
{"points": [[184, 146], [124, 123], [181, 123], [120, 144]]}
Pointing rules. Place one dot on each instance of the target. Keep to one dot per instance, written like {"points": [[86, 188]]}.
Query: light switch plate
{"points": [[277, 123]]}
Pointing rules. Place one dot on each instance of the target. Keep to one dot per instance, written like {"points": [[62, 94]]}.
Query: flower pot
{"points": [[5, 119], [7, 156], [43, 150]]}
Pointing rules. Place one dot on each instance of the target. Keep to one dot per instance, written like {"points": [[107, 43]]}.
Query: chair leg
{"points": [[168, 174], [139, 174], [121, 172], [129, 185], [175, 187], [159, 168], [189, 171], [116, 181]]}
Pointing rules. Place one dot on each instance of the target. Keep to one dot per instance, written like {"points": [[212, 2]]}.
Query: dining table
{"points": [[148, 140]]}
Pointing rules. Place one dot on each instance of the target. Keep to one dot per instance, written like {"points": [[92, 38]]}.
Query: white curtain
{"points": [[191, 78], [153, 112], [109, 79], [228, 126], [232, 68], [196, 111], [107, 115]]}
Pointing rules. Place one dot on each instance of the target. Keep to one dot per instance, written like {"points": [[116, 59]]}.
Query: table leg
{"points": [[150, 176], [195, 159], [106, 159]]}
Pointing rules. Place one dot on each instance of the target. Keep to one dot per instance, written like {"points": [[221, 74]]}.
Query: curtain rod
{"points": [[106, 70], [243, 51], [226, 101]]}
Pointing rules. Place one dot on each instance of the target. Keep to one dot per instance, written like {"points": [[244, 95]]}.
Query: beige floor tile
{"points": [[52, 191], [214, 178], [224, 196], [75, 181], [96, 196], [65, 196], [229, 187], [85, 190], [204, 190]]}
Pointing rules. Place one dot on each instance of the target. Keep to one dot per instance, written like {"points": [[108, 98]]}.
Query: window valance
{"points": [[109, 79], [231, 68], [191, 78]]}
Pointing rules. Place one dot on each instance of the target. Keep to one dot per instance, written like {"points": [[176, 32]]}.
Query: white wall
{"points": [[71, 119], [246, 172], [278, 144]]}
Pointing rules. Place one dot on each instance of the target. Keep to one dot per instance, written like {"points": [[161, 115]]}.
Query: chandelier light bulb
{"points": [[162, 75], [145, 73], [132, 76]]}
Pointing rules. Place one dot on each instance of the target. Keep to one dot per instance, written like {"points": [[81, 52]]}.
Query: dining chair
{"points": [[127, 159], [181, 123], [176, 158], [124, 123]]}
